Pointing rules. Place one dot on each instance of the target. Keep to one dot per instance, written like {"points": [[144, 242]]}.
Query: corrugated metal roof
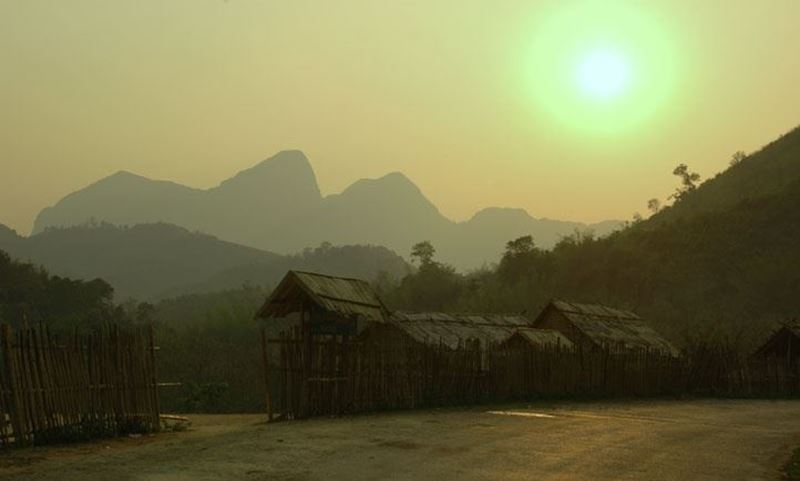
{"points": [[341, 295], [607, 326], [454, 329], [543, 337]]}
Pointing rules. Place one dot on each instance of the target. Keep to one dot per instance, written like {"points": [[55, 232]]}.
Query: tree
{"points": [[737, 157], [520, 246], [519, 259], [145, 313], [434, 286], [423, 251], [30, 292], [384, 283], [688, 181], [654, 205]]}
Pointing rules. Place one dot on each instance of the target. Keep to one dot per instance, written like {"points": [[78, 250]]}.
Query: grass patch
{"points": [[792, 469]]}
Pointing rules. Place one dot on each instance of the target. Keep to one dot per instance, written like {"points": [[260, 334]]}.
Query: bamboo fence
{"points": [[60, 390], [308, 376]]}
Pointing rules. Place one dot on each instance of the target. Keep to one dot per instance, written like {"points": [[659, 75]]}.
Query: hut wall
{"points": [[783, 345], [516, 342], [557, 321], [387, 335]]}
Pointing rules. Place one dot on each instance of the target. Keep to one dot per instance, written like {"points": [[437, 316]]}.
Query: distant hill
{"points": [[490, 229], [276, 205], [150, 261], [723, 260], [734, 270], [773, 170], [29, 294], [727, 254]]}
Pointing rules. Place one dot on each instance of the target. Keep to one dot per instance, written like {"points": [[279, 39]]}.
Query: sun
{"points": [[602, 68], [603, 74]]}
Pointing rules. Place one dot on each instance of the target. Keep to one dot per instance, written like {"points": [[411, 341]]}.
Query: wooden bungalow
{"points": [[783, 344], [324, 304], [591, 326]]}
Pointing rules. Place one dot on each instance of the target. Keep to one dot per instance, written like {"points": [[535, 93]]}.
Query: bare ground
{"points": [[670, 440]]}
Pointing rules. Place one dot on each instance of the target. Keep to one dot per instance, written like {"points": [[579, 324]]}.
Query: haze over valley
{"points": [[277, 206]]}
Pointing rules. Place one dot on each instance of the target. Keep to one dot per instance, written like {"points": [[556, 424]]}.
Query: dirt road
{"points": [[696, 440]]}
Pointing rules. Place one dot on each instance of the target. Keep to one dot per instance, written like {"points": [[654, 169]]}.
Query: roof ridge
{"points": [[319, 274], [345, 299], [508, 314], [620, 313], [336, 294], [607, 316]]}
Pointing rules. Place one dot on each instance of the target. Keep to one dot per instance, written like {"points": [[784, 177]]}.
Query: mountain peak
{"points": [[123, 173], [396, 178], [123, 176], [288, 169], [393, 182], [291, 157], [509, 213]]}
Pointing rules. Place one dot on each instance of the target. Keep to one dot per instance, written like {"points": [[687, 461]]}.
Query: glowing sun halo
{"points": [[603, 74], [600, 67]]}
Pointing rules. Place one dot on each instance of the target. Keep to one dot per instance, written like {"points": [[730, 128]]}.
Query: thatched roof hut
{"points": [[446, 329], [530, 337], [594, 326], [784, 343], [328, 304]]}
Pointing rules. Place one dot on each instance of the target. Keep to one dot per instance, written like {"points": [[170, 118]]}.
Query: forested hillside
{"points": [[723, 261], [30, 294], [768, 172], [153, 261]]}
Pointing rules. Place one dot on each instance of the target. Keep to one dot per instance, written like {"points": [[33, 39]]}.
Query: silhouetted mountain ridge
{"points": [[277, 205]]}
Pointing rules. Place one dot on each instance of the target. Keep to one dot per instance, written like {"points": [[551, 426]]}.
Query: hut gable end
{"points": [[783, 343], [591, 325], [339, 296], [539, 338], [552, 318]]}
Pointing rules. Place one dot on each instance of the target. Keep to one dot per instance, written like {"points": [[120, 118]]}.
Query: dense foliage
{"points": [[29, 294], [210, 344]]}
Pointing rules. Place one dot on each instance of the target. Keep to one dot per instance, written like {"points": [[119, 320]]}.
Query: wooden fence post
{"points": [[154, 378], [15, 401], [265, 356]]}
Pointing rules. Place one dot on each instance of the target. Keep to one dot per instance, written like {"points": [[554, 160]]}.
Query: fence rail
{"points": [[59, 390], [309, 376]]}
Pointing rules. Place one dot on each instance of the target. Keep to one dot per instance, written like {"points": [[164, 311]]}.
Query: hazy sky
{"points": [[456, 94]]}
